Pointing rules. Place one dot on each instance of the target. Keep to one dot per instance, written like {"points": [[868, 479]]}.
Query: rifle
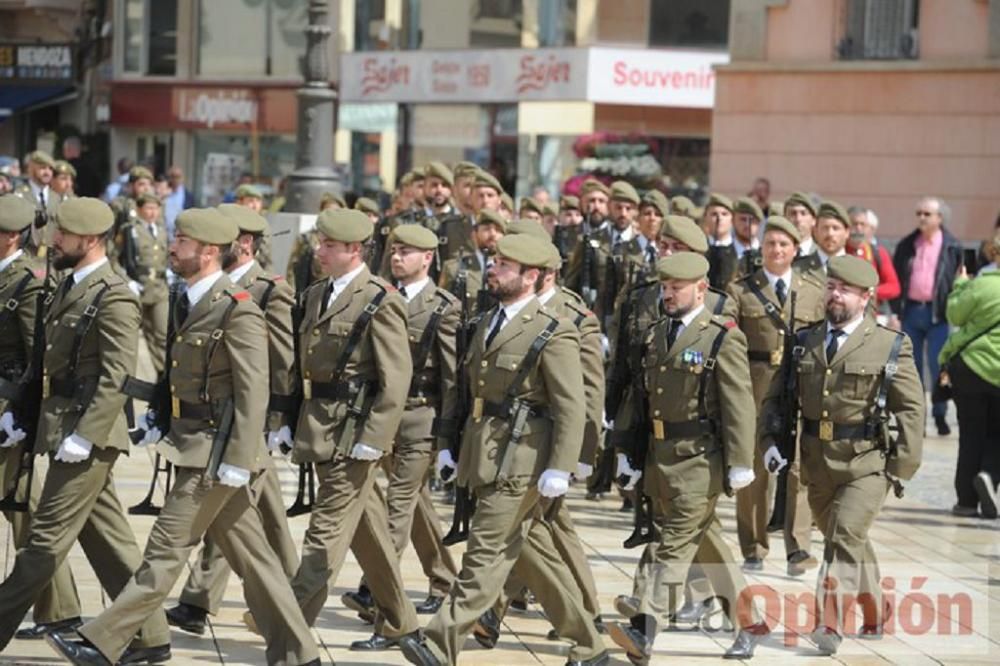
{"points": [[588, 283], [27, 405], [465, 503], [611, 285], [787, 433], [643, 531], [877, 427], [307, 474]]}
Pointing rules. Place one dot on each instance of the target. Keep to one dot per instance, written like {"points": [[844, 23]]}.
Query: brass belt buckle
{"points": [[477, 409], [658, 431], [307, 389], [46, 386], [826, 430], [175, 407], [776, 355]]}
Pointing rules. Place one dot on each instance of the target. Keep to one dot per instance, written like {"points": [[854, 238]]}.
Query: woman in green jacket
{"points": [[973, 357]]}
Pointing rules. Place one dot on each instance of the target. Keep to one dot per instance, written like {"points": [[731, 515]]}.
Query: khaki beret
{"points": [[346, 226], [525, 249], [246, 220], [853, 270], [406, 179], [248, 191], [530, 203], [463, 169], [681, 205], [487, 216], [486, 179], [801, 199], [685, 230], [138, 173], [529, 227], [555, 259], [414, 235], [506, 201], [62, 166], [592, 184], [775, 208], [569, 202], [15, 213], [416, 174], [720, 200], [207, 225], [696, 213], [439, 170], [657, 200], [835, 211], [85, 216], [366, 205], [779, 223], [332, 197], [748, 206], [682, 266], [549, 209], [42, 157], [149, 197], [623, 191]]}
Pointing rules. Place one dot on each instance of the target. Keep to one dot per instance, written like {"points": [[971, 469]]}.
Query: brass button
{"points": [[656, 412], [173, 388], [173, 364], [659, 390], [829, 371], [55, 322], [482, 383], [825, 392], [825, 414], [413, 338], [315, 331], [663, 368], [180, 338], [485, 364], [306, 374], [48, 347], [197, 343]]}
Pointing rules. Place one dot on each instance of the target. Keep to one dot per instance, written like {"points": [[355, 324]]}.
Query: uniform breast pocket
{"points": [[189, 352], [860, 379], [509, 362]]}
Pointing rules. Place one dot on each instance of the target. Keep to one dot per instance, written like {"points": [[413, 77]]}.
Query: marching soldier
{"points": [[800, 210], [303, 269], [250, 197], [737, 255], [464, 178], [63, 178], [521, 443], [852, 375], [57, 607], [90, 334], [465, 275], [697, 388], [140, 181], [433, 318], [530, 209], [143, 256], [569, 230], [205, 587], [719, 229], [833, 230], [452, 226], [37, 190], [356, 369], [218, 380], [773, 303]]}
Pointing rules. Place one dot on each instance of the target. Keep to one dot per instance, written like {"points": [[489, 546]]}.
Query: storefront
{"points": [[35, 80], [217, 133], [521, 111]]}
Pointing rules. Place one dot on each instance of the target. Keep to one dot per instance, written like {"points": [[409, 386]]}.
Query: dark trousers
{"points": [[978, 404], [926, 335]]}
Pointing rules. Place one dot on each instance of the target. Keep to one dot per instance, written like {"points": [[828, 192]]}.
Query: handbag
{"points": [[943, 390]]}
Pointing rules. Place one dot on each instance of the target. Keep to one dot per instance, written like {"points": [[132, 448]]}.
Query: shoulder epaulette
{"points": [[241, 295], [381, 284], [446, 295]]}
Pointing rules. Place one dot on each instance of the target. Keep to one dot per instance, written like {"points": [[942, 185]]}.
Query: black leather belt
{"points": [[828, 431], [201, 411], [339, 391], [66, 387], [692, 429]]}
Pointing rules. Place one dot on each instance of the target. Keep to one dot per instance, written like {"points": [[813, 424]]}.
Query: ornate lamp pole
{"points": [[317, 104]]}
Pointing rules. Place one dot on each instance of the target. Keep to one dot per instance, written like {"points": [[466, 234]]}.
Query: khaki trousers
{"points": [[78, 502], [154, 330], [206, 585], [348, 513], [798, 515], [58, 600], [197, 505], [502, 540]]}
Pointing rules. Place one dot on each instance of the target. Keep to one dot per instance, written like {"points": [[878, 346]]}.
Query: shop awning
{"points": [[17, 99]]}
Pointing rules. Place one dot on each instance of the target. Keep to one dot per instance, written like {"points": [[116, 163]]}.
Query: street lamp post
{"points": [[317, 103]]}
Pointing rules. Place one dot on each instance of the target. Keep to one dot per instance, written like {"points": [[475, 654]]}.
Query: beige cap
{"points": [[85, 216]]}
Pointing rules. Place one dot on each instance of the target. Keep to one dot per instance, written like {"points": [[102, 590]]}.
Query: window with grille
{"points": [[879, 30]]}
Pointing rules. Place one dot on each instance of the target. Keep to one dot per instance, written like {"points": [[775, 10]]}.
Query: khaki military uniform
{"points": [[197, 503], [206, 585], [843, 469], [40, 238], [78, 500], [604, 281], [20, 282], [687, 462], [347, 510], [150, 271], [505, 480], [765, 342], [467, 267], [726, 266]]}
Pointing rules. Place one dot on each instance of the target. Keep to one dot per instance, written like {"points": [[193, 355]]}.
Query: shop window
{"points": [[149, 37], [557, 23], [692, 23], [496, 23], [371, 32], [251, 38], [879, 30]]}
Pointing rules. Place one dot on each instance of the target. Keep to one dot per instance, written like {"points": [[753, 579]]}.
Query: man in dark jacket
{"points": [[927, 262]]}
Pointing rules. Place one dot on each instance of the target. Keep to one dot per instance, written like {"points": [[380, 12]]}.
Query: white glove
{"points": [[135, 287], [14, 434], [553, 483], [365, 452], [623, 468], [740, 477], [152, 436], [74, 449], [276, 438], [234, 477], [583, 470], [445, 465], [773, 461]]}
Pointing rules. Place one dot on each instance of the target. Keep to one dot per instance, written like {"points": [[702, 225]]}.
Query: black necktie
{"points": [[501, 316], [327, 293], [673, 332], [67, 285], [41, 198], [779, 289], [833, 345], [183, 309], [650, 254]]}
